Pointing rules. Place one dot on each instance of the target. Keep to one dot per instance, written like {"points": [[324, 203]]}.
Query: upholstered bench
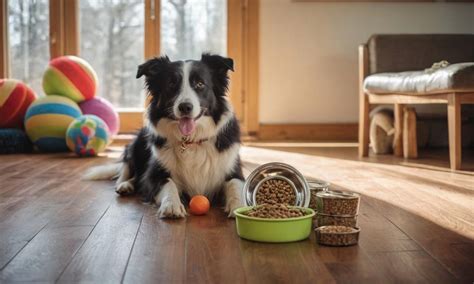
{"points": [[395, 69]]}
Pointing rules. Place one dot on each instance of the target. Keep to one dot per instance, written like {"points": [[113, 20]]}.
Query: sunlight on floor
{"points": [[302, 144], [444, 198]]}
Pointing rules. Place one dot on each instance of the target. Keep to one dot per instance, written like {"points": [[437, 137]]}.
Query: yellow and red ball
{"points": [[71, 77], [15, 98]]}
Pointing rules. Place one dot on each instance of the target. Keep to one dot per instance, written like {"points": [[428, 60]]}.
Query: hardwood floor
{"points": [[417, 221]]}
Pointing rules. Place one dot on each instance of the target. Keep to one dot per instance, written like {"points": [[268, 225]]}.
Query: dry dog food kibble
{"points": [[327, 220], [274, 191], [338, 203], [275, 211], [337, 235]]}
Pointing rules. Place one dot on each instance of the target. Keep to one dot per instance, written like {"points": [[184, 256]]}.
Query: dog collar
{"points": [[186, 143]]}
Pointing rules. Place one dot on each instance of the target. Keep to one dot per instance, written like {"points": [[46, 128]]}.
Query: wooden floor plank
{"points": [[26, 219], [104, 255], [282, 263], [88, 206], [435, 240], [411, 267], [43, 259], [158, 255], [212, 252]]}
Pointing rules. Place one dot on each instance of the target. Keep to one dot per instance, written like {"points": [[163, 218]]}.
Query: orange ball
{"points": [[199, 205]]}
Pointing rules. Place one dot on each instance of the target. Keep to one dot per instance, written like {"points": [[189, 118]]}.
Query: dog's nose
{"points": [[185, 108]]}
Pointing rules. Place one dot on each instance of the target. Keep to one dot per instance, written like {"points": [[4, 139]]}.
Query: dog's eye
{"points": [[173, 81], [199, 85]]}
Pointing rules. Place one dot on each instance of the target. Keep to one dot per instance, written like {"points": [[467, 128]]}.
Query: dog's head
{"points": [[187, 91]]}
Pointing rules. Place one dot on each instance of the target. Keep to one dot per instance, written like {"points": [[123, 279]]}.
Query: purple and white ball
{"points": [[103, 109]]}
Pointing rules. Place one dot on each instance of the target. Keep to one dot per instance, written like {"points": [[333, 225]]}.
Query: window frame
{"points": [[4, 45], [242, 46]]}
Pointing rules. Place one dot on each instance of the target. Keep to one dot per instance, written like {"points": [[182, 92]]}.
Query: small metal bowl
{"points": [[277, 170], [338, 239], [318, 185], [315, 186], [334, 220], [340, 203]]}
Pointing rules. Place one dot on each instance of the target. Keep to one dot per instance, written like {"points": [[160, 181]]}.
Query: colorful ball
{"points": [[15, 98], [103, 109], [71, 77], [87, 135], [47, 120]]}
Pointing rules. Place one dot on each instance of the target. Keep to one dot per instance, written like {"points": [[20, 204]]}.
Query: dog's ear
{"points": [[218, 63], [153, 66]]}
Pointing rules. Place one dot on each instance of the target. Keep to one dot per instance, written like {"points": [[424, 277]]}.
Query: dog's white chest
{"points": [[200, 169]]}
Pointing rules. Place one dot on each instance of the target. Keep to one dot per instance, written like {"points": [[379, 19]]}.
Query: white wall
{"points": [[308, 52]]}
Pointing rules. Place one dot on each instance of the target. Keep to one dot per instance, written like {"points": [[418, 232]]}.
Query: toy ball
{"points": [[71, 77], [87, 135], [199, 205], [103, 109], [15, 98], [47, 120]]}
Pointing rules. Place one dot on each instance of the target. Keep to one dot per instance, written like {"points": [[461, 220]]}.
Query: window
{"points": [[112, 41], [115, 36], [28, 31], [190, 27]]}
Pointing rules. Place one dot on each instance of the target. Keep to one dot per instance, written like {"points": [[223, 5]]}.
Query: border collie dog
{"points": [[191, 142]]}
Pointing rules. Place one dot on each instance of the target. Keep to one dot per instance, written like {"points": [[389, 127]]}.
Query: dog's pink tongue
{"points": [[186, 126]]}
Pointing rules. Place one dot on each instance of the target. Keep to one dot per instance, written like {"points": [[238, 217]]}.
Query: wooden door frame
{"points": [[4, 47], [243, 47], [64, 28]]}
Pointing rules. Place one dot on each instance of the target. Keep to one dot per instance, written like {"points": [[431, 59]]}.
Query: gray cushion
{"points": [[453, 78], [403, 52]]}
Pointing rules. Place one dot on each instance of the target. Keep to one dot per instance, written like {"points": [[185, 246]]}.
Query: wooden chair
{"points": [[453, 100]]}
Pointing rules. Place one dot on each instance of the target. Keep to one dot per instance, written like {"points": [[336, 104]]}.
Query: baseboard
{"points": [[313, 132]]}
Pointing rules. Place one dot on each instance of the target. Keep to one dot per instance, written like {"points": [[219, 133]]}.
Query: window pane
{"points": [[112, 37], [190, 27], [28, 31]]}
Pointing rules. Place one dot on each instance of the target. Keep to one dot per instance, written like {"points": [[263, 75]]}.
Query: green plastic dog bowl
{"points": [[273, 230]]}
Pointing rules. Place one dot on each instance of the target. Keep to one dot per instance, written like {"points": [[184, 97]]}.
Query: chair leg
{"points": [[398, 139], [364, 109], [454, 129], [410, 143]]}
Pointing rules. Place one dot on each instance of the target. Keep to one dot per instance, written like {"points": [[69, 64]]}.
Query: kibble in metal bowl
{"points": [[337, 235], [276, 171], [275, 211], [338, 203], [328, 220], [275, 190]]}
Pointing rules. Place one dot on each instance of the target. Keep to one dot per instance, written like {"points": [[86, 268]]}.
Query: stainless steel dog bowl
{"points": [[279, 171], [318, 184]]}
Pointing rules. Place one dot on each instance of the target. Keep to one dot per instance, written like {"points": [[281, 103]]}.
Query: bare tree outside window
{"points": [[28, 31], [190, 27], [112, 41]]}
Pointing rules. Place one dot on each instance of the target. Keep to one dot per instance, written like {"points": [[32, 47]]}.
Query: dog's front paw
{"points": [[125, 188], [172, 209], [231, 205]]}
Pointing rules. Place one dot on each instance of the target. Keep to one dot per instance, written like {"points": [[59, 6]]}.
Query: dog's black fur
{"points": [[163, 81]]}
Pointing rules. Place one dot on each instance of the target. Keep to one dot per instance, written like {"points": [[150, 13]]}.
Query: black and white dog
{"points": [[191, 143]]}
